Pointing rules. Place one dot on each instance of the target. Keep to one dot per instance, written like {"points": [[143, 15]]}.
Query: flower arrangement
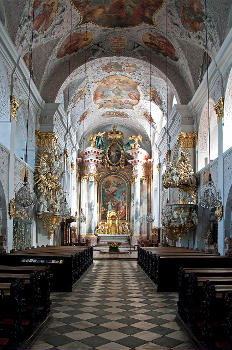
{"points": [[113, 247]]}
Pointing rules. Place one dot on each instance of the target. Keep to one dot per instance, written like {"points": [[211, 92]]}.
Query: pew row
{"points": [[205, 306], [66, 264], [162, 264]]}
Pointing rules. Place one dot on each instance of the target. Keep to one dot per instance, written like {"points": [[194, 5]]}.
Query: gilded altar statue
{"points": [[134, 141], [113, 226], [97, 140]]}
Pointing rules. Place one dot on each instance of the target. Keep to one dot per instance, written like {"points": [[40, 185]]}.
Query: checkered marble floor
{"points": [[113, 307]]}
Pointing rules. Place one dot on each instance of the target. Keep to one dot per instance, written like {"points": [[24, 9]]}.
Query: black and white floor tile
{"points": [[114, 306]]}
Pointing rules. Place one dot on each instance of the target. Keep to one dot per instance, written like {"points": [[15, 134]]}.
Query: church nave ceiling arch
{"points": [[116, 27]]}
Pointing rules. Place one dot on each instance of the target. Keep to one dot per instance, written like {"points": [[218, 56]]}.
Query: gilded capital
{"points": [[188, 139], [45, 139], [219, 109], [14, 106]]}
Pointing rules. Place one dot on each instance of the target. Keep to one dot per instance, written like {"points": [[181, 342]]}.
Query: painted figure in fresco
{"points": [[160, 45], [44, 12], [74, 42], [192, 15], [117, 92], [114, 154], [118, 13]]}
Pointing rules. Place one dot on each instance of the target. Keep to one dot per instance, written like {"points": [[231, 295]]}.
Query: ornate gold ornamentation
{"points": [[179, 174], [168, 155], [14, 106], [187, 139], [113, 225], [136, 139], [50, 222], [45, 139], [159, 167], [178, 219], [219, 109], [115, 134], [19, 214], [72, 165], [92, 138], [219, 212], [115, 156]]}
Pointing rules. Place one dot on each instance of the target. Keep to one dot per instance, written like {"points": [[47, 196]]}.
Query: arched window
{"points": [[203, 135], [227, 139]]}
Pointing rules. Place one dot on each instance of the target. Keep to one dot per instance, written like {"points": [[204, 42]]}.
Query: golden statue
{"points": [[136, 139], [97, 140]]}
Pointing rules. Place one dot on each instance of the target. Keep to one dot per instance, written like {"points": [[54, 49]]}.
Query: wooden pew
{"points": [[66, 264], [207, 306]]}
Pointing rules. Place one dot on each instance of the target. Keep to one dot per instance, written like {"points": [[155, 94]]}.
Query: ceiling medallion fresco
{"points": [[192, 14], [44, 12], [74, 42], [118, 13], [160, 45], [117, 92], [118, 43], [115, 114], [79, 95], [155, 97], [119, 67]]}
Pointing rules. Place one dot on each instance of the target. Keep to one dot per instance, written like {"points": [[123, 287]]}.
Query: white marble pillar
{"points": [[143, 205], [221, 233], [11, 183], [84, 205], [95, 212], [132, 208], [137, 206], [91, 204]]}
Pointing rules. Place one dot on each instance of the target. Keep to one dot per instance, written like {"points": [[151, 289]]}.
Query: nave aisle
{"points": [[114, 306]]}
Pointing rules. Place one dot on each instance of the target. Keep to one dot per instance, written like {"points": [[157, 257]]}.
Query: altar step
{"points": [[102, 252]]}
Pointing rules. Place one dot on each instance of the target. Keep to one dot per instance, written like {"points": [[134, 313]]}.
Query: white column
{"points": [[132, 208], [11, 183], [95, 212], [137, 206], [91, 204], [84, 205], [143, 206], [221, 233]]}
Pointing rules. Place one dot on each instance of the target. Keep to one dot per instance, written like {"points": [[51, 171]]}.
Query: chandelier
{"points": [[178, 219], [24, 197], [209, 197]]}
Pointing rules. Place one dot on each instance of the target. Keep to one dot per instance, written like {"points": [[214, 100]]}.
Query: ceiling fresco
{"points": [[118, 13], [74, 42], [192, 14], [117, 92], [110, 47], [160, 45], [115, 114], [44, 13]]}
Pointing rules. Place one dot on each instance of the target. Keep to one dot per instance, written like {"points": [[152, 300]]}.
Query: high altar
{"points": [[115, 186]]}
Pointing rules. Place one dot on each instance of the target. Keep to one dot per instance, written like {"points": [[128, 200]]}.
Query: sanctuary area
{"points": [[115, 174]]}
